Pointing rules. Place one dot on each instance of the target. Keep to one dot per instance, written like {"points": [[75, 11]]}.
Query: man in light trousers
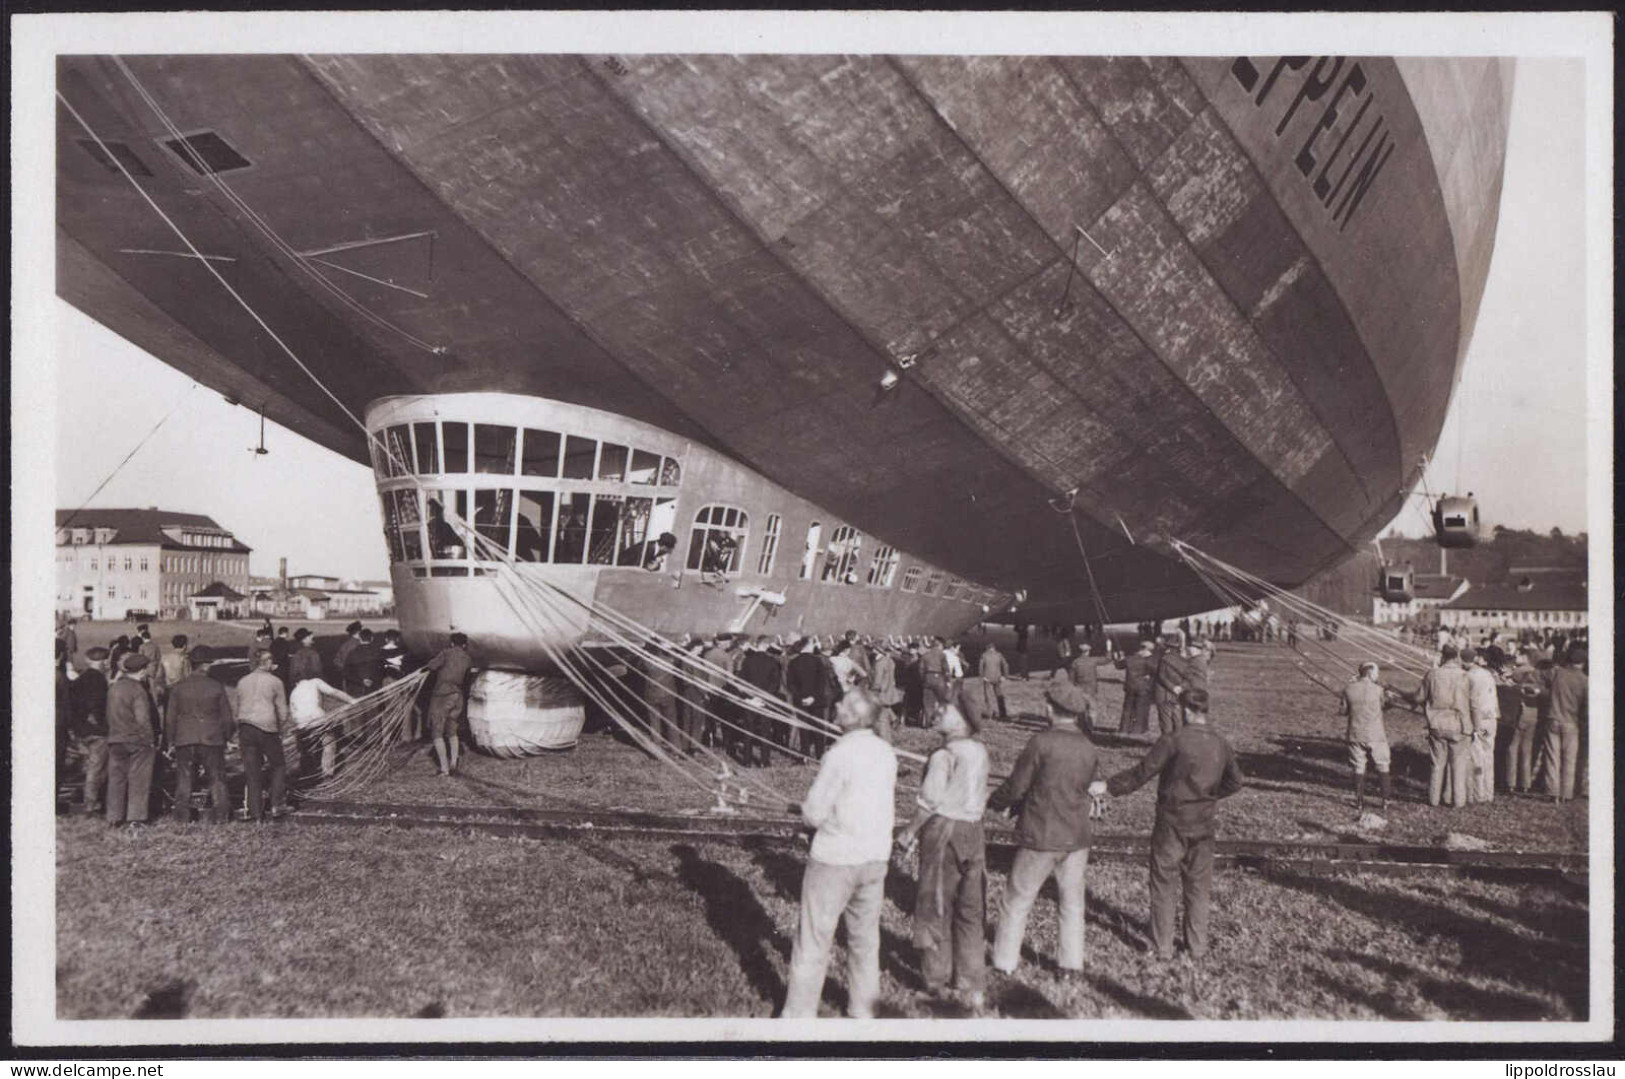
{"points": [[1485, 712], [851, 805], [1049, 786]]}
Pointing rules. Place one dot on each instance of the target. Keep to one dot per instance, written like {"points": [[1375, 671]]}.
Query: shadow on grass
{"points": [[1455, 996], [784, 871], [1550, 961], [172, 1000], [738, 920], [1142, 1003]]}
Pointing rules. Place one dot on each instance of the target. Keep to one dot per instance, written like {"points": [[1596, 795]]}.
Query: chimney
{"points": [[282, 573]]}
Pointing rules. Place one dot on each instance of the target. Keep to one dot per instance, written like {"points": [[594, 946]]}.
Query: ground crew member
{"points": [[70, 638], [173, 665], [692, 698], [451, 667], [1196, 767], [1049, 789], [950, 902], [992, 668], [262, 720], [1444, 702], [305, 662], [197, 725], [761, 669], [1139, 672], [884, 686], [1518, 769], [1485, 712], [851, 804], [88, 723], [149, 648], [660, 695], [1361, 702], [1172, 676], [808, 690], [363, 666], [1570, 690], [281, 652], [934, 678], [1084, 672], [131, 743], [259, 645], [351, 642], [305, 704]]}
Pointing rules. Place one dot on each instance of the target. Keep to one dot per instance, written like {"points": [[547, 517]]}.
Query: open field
{"points": [[287, 920], [284, 920]]}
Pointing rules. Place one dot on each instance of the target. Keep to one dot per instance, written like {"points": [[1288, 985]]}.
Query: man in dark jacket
{"points": [[1139, 671], [1172, 676], [198, 722], [131, 743], [88, 723], [1196, 767], [352, 641], [363, 666], [282, 647], [305, 662], [761, 669], [1049, 788], [809, 690]]}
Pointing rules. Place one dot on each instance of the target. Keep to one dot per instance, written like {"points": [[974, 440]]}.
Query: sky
{"points": [[1514, 435]]}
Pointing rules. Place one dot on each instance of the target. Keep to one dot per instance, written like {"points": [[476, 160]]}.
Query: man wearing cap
{"points": [[1049, 788], [363, 666], [351, 642], [1445, 705], [1196, 767], [950, 902], [198, 724], [1485, 711], [88, 723], [131, 743], [69, 637], [305, 662], [1083, 671], [262, 720], [851, 805], [934, 678], [451, 667], [1569, 695], [1362, 702], [1139, 673]]}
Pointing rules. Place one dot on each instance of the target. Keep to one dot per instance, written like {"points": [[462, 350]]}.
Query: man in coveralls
{"points": [[1197, 767]]}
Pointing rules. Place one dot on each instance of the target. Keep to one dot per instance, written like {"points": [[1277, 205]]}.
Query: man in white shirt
{"points": [[1485, 709], [306, 704], [950, 903], [851, 806]]}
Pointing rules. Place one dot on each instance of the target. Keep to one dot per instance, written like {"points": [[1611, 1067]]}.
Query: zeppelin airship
{"points": [[801, 344]]}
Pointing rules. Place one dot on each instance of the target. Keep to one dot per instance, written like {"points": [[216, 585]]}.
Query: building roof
{"points": [[1541, 594], [218, 589], [1435, 586], [146, 527]]}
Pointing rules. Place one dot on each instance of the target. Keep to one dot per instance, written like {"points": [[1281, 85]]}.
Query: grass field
{"points": [[285, 920]]}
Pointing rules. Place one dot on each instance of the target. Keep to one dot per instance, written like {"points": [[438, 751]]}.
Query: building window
{"points": [[541, 454], [809, 554], [884, 567], [143, 564], [129, 563], [911, 579], [841, 560], [717, 538], [770, 545], [933, 583], [93, 565], [955, 586]]}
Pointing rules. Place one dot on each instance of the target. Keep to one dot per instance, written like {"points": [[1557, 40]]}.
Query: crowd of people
{"points": [[1501, 716], [134, 711]]}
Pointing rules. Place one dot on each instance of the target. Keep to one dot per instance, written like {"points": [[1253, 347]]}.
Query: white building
{"points": [[112, 562], [1429, 591], [1534, 602]]}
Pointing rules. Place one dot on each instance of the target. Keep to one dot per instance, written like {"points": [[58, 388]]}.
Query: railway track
{"points": [[1334, 857]]}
